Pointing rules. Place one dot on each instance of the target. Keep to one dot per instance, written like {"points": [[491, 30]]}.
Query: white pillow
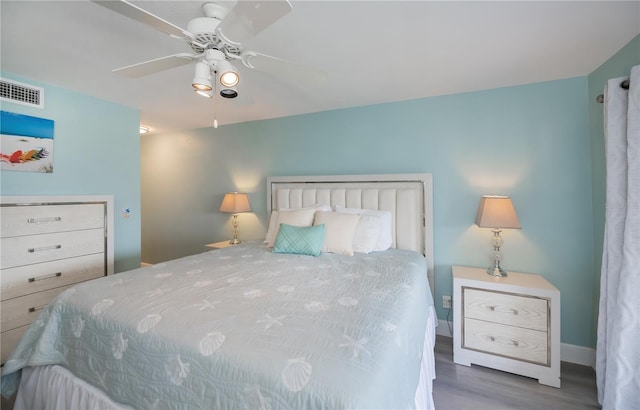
{"points": [[385, 238], [367, 233], [296, 217], [272, 230], [339, 230]]}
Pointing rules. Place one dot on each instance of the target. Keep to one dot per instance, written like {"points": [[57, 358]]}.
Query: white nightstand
{"points": [[510, 323], [219, 245]]}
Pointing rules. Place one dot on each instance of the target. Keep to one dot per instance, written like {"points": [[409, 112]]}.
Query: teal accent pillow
{"points": [[299, 240]]}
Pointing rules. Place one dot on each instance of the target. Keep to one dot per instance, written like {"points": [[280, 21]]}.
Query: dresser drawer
{"points": [[29, 279], [9, 340], [21, 311], [38, 219], [25, 250], [507, 309], [514, 342]]}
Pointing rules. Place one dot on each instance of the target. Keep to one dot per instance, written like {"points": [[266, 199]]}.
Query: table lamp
{"points": [[497, 213], [235, 202]]}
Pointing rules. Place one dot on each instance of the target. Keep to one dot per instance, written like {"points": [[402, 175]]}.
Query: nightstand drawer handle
{"points": [[515, 343], [493, 309], [492, 338], [54, 275]]}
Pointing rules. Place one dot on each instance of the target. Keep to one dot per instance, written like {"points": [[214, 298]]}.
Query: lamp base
{"points": [[234, 222], [497, 271]]}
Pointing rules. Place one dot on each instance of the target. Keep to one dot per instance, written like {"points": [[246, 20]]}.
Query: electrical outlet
{"points": [[446, 301]]}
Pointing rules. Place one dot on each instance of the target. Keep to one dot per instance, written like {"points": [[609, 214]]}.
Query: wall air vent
{"points": [[20, 93]]}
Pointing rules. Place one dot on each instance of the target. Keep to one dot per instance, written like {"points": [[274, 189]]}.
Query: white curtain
{"points": [[618, 349]]}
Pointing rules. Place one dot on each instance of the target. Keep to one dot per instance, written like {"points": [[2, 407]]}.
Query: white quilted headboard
{"points": [[409, 197]]}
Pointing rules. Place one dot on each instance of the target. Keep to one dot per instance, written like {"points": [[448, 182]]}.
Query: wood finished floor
{"points": [[460, 387]]}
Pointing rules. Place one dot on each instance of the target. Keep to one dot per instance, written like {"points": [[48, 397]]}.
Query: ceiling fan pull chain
{"points": [[215, 116]]}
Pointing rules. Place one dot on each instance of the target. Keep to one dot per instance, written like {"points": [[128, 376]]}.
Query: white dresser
{"points": [[510, 323], [47, 244]]}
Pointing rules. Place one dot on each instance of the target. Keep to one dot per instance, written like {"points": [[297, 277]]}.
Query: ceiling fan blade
{"points": [[248, 18], [136, 13], [285, 69], [157, 65]]}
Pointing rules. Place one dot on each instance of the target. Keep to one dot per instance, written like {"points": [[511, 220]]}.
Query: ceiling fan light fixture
{"points": [[229, 92], [229, 79], [202, 78], [204, 93], [228, 74]]}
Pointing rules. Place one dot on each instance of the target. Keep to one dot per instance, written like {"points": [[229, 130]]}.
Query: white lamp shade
{"points": [[497, 212], [235, 202]]}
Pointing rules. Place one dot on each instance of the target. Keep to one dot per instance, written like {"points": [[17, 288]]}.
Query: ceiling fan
{"points": [[216, 43]]}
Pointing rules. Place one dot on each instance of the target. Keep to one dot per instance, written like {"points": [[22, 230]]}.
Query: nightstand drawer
{"points": [[507, 309], [515, 342]]}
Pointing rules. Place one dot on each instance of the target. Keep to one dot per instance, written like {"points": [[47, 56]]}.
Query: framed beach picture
{"points": [[26, 143]]}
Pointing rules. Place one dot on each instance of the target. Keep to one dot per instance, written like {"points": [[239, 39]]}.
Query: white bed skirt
{"points": [[55, 387], [424, 392]]}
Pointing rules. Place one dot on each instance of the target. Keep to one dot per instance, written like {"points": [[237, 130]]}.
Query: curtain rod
{"points": [[624, 85]]}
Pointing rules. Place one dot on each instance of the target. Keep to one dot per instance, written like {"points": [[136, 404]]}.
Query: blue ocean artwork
{"points": [[26, 143]]}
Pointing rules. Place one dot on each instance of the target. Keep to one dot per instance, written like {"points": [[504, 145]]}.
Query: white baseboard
{"points": [[585, 356], [443, 328]]}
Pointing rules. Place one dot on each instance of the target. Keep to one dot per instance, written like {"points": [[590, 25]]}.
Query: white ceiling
{"points": [[373, 52]]}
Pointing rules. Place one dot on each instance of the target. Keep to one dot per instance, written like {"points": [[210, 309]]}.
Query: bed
{"points": [[247, 327]]}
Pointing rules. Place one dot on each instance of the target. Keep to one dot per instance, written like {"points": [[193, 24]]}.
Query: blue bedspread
{"points": [[242, 327]]}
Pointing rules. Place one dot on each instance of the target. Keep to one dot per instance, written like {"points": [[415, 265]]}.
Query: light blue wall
{"points": [[617, 66], [540, 143], [96, 152], [531, 142]]}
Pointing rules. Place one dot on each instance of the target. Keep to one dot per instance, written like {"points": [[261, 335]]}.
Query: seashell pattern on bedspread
{"points": [[242, 327]]}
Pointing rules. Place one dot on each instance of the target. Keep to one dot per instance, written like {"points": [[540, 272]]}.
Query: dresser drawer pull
{"points": [[54, 275], [493, 309], [514, 342], [35, 309], [44, 248], [43, 220]]}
